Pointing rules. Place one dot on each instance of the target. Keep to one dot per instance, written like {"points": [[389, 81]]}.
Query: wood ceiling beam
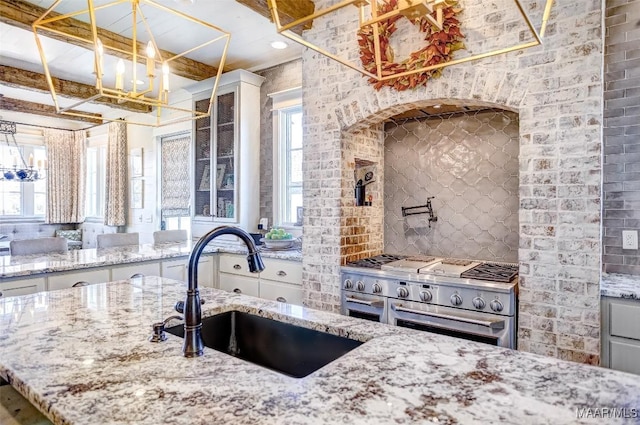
{"points": [[21, 14], [19, 78], [17, 105], [289, 10]]}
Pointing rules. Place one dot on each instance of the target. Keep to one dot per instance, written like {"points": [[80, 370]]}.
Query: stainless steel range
{"points": [[462, 298]]}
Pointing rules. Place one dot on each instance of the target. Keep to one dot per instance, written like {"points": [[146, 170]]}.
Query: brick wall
{"points": [[621, 134], [557, 91], [469, 162], [282, 77]]}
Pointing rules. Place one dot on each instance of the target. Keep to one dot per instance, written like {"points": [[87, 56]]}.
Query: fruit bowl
{"points": [[277, 243]]}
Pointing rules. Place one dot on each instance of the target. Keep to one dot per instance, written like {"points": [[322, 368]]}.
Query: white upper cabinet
{"points": [[226, 155]]}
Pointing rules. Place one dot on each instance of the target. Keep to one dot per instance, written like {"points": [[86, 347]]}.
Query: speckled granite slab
{"points": [[620, 286], [26, 265], [81, 356]]}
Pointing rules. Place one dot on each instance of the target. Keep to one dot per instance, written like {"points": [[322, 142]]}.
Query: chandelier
{"points": [[20, 171], [366, 13], [132, 67]]}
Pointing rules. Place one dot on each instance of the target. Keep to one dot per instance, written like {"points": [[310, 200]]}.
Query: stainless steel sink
{"points": [[283, 347]]}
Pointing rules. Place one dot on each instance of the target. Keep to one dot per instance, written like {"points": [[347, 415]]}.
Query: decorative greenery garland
{"points": [[439, 48]]}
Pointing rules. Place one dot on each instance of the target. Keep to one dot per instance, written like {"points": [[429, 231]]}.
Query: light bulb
{"points": [[151, 65]]}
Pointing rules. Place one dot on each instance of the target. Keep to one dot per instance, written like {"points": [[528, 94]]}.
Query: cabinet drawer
{"points": [[67, 280], [127, 272], [625, 356], [22, 287], [239, 284], [175, 269], [235, 264], [282, 292], [624, 319], [282, 271]]}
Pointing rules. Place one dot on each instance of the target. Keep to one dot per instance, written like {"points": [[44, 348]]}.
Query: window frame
{"points": [[284, 104], [27, 143]]}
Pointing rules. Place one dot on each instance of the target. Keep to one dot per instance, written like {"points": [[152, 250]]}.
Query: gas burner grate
{"points": [[492, 271], [422, 258], [456, 262], [375, 262]]}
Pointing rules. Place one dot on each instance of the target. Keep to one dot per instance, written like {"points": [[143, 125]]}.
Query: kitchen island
{"points": [[82, 356]]}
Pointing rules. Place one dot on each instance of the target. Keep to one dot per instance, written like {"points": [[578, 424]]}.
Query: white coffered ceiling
{"points": [[251, 36]]}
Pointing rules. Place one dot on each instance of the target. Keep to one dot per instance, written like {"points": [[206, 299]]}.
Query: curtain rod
{"points": [[47, 126]]}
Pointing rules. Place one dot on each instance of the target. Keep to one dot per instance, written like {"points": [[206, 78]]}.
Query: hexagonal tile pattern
{"points": [[470, 163]]}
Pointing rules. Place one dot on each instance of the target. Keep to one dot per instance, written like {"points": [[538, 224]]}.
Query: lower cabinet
{"points": [[178, 270], [151, 268], [17, 287], [239, 284], [281, 280], [283, 292], [621, 334], [68, 280]]}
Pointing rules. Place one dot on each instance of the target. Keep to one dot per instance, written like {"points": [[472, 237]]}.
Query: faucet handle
{"points": [[179, 307], [158, 329]]}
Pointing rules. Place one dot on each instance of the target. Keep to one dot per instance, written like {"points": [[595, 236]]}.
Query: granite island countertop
{"points": [[620, 286], [27, 265], [81, 356]]}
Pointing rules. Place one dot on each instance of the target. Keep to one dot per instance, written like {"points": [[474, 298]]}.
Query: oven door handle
{"points": [[378, 304], [492, 324]]}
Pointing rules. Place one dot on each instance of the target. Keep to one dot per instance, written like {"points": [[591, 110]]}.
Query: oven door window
{"points": [[446, 331], [366, 316]]}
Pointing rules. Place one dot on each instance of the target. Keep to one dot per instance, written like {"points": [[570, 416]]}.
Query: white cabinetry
{"points": [[129, 271], [226, 154], [281, 280], [621, 334], [17, 287], [68, 280], [178, 270]]}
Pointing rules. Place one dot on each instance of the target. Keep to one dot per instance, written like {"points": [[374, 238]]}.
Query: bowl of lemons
{"points": [[277, 239]]}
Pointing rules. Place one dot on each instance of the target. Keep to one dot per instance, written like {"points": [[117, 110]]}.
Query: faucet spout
{"points": [[193, 345]]}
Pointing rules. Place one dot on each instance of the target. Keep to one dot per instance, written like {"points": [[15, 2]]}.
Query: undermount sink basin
{"points": [[283, 347]]}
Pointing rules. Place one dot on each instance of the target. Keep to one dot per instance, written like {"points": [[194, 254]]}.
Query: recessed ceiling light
{"points": [[279, 45], [138, 82], [437, 106]]}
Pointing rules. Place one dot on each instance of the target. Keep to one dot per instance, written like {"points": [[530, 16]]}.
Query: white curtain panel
{"points": [[117, 182], [66, 154]]}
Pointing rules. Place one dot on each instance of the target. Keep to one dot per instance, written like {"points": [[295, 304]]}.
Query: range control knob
{"points": [[348, 284], [479, 303], [360, 285], [425, 296], [496, 306], [377, 288], [456, 299], [403, 292]]}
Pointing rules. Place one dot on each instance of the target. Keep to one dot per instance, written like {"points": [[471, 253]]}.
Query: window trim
{"points": [[283, 102], [27, 143]]}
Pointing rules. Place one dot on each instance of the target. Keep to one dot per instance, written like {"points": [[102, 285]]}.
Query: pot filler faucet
{"points": [[193, 345]]}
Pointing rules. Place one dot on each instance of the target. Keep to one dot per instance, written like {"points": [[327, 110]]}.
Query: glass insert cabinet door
{"points": [[216, 159]]}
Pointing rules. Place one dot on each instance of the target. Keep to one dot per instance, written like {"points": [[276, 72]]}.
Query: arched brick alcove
{"points": [[556, 90]]}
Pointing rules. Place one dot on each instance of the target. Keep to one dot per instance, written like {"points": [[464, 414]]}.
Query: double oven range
{"points": [[461, 298]]}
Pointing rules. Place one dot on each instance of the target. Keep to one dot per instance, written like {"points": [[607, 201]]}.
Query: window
{"points": [[19, 200], [287, 163], [96, 177]]}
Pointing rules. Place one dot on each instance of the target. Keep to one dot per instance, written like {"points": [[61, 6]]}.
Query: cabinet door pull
{"points": [[137, 275], [79, 284], [237, 291], [1, 294], [281, 299], [281, 273], [237, 266]]}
